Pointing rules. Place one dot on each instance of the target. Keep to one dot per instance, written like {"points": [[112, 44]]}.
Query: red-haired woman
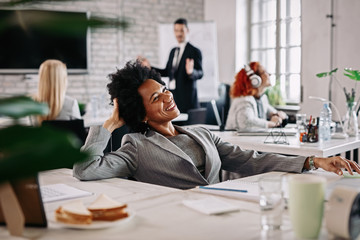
{"points": [[250, 107]]}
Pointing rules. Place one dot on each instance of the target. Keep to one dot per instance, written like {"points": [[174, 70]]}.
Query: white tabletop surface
{"points": [[159, 214], [329, 148]]}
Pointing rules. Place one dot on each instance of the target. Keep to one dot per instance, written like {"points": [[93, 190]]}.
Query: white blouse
{"points": [[243, 113]]}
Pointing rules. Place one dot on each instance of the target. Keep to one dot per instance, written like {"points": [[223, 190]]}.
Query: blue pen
{"points": [[223, 189]]}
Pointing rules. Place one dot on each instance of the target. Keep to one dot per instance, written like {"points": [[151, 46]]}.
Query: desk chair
{"points": [[75, 126], [197, 116], [222, 105], [116, 137]]}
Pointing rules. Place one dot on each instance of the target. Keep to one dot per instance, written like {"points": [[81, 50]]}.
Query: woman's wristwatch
{"points": [[311, 163]]}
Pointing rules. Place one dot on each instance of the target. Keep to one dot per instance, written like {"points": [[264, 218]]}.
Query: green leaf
{"points": [[25, 151], [325, 74], [22, 106], [352, 74], [320, 75], [333, 71]]}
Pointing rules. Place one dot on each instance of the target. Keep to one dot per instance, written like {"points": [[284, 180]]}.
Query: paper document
{"points": [[210, 205], [56, 192], [267, 131], [237, 189]]}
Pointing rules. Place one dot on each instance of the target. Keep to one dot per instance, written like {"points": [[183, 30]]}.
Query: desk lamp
{"points": [[338, 135]]}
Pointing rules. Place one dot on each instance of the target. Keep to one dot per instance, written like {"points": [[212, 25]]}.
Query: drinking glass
{"points": [[306, 204], [271, 202], [300, 122]]}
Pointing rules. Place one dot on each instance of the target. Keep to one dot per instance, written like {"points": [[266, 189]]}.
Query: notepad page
{"points": [[210, 205], [56, 192]]}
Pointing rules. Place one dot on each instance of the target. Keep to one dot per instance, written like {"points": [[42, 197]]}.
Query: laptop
{"points": [[28, 193]]}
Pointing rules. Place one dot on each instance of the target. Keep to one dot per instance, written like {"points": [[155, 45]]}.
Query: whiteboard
{"points": [[203, 36]]}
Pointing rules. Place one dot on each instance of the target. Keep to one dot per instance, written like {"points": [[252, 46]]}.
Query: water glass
{"points": [[271, 202], [300, 122]]}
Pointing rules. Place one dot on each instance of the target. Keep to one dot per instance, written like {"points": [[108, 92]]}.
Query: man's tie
{"points": [[176, 56], [175, 64]]}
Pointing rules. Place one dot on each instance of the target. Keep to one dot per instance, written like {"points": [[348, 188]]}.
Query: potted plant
{"points": [[350, 121], [274, 95]]}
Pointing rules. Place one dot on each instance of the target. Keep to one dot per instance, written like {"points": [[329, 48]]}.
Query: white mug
{"points": [[306, 204]]}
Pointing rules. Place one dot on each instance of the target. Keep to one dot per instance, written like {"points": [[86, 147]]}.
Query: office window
{"points": [[275, 41]]}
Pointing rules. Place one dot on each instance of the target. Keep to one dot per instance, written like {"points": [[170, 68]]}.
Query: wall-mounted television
{"points": [[30, 36]]}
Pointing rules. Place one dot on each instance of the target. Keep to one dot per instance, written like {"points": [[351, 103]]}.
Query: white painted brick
{"points": [[111, 48]]}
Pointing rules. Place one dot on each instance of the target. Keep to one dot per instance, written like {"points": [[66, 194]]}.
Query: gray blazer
{"points": [[152, 158]]}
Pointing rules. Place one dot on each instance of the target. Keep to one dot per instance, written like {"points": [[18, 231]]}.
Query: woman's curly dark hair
{"points": [[124, 86]]}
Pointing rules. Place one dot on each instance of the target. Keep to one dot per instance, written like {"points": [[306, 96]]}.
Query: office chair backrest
{"points": [[116, 138], [222, 104], [197, 116], [75, 126]]}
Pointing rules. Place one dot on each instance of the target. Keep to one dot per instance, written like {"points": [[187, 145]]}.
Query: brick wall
{"points": [[111, 48]]}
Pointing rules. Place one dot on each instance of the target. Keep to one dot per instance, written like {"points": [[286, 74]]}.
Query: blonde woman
{"points": [[52, 89]]}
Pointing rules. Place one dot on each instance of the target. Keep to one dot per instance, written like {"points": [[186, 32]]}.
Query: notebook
{"points": [[250, 193]]}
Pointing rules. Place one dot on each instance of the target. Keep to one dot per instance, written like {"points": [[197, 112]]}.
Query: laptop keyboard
{"points": [[48, 192], [56, 192]]}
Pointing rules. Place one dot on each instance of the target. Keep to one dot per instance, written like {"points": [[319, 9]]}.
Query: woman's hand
{"points": [[282, 114], [274, 121], [335, 164], [114, 121], [144, 61]]}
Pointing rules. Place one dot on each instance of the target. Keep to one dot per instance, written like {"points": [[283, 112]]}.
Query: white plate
{"points": [[96, 224]]}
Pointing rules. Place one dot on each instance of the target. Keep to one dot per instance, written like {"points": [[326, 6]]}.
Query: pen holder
{"points": [[310, 132]]}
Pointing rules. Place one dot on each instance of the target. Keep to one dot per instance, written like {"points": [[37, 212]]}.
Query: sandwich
{"points": [[106, 209], [73, 212]]}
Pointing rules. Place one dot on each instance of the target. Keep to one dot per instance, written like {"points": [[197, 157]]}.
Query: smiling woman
{"points": [[160, 107], [159, 152]]}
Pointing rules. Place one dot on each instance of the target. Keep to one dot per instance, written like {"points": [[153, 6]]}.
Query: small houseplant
{"points": [[274, 95], [352, 74], [350, 121]]}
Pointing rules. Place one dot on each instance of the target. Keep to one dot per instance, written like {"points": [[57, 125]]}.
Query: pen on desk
{"points": [[223, 189]]}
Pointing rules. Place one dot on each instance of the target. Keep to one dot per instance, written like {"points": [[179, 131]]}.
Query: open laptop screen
{"points": [[28, 194]]}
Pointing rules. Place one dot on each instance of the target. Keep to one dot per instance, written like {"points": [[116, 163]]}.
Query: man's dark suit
{"points": [[185, 94]]}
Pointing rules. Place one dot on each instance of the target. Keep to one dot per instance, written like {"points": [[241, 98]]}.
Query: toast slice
{"points": [[106, 209], [73, 212]]}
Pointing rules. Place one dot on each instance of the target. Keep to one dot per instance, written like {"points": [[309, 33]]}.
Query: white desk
{"points": [[160, 214], [332, 147]]}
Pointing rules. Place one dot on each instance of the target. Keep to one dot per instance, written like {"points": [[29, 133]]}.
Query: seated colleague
{"points": [[159, 152], [52, 89], [250, 107]]}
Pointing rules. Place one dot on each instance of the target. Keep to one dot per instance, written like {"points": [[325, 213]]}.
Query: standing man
{"points": [[183, 68]]}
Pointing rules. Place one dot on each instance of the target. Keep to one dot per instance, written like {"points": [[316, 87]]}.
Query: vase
{"points": [[351, 121]]}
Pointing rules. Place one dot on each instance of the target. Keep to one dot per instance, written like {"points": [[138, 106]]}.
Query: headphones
{"points": [[254, 78]]}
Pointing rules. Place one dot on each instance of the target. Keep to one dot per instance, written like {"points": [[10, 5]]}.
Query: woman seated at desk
{"points": [[159, 152], [52, 90], [250, 107]]}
